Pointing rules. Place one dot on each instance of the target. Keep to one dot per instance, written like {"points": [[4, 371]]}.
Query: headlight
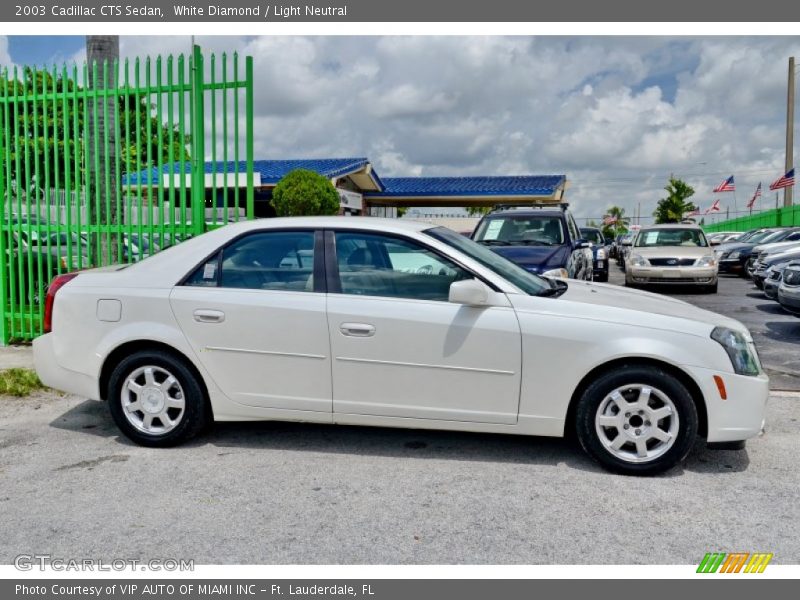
{"points": [[741, 352], [706, 261], [556, 273], [734, 254], [601, 254], [637, 260]]}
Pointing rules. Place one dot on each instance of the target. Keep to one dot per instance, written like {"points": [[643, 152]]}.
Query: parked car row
{"points": [[737, 257]]}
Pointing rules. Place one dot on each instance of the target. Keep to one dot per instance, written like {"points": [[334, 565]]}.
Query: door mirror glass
{"points": [[470, 292]]}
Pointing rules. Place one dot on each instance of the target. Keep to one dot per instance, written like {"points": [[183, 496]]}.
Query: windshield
{"points": [[523, 230], [593, 235], [671, 237], [758, 237], [513, 273]]}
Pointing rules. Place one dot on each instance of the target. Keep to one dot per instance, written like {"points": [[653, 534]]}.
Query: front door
{"points": [[400, 349]]}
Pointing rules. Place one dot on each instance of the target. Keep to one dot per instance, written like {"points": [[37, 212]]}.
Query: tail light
{"points": [[49, 302]]}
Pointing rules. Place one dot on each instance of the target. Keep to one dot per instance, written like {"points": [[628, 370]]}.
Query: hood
{"points": [[780, 257], [733, 246], [535, 258], [776, 247], [608, 302], [672, 251]]}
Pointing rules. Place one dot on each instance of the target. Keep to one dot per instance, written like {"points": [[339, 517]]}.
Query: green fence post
{"points": [[249, 134], [3, 259], [198, 144]]}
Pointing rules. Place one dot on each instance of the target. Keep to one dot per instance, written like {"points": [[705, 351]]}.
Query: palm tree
{"points": [[672, 208], [619, 222], [102, 54]]}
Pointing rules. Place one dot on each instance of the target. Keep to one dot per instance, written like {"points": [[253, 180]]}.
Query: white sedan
{"points": [[395, 324]]}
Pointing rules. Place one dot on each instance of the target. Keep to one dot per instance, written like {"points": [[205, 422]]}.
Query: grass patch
{"points": [[19, 382]]}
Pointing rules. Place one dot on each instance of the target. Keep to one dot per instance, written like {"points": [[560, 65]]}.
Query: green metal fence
{"points": [[109, 163], [778, 217]]}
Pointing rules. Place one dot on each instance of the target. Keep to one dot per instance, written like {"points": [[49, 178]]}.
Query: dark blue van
{"points": [[542, 238]]}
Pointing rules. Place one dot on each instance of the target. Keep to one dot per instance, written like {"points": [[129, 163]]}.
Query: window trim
{"points": [[334, 282], [318, 268]]}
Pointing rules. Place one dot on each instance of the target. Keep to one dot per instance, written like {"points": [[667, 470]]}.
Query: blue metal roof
{"points": [[523, 185], [271, 171]]}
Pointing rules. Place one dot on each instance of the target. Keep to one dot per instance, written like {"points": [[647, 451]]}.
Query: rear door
{"points": [[254, 314]]}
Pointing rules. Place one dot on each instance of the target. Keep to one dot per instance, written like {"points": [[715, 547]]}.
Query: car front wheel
{"points": [[156, 400], [637, 420]]}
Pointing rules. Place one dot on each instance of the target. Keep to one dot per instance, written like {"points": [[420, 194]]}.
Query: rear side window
{"points": [[270, 260]]}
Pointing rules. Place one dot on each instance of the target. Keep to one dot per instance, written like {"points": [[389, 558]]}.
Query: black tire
{"points": [[594, 398], [195, 413], [602, 278], [712, 289]]}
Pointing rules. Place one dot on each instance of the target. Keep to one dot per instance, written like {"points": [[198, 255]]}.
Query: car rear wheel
{"points": [[602, 277], [156, 400], [637, 420]]}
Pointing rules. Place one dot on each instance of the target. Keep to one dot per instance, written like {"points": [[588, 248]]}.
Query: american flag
{"points": [[755, 197], [609, 220], [726, 186], [783, 182], [713, 208]]}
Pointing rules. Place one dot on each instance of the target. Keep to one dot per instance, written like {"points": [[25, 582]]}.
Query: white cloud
{"points": [[618, 115]]}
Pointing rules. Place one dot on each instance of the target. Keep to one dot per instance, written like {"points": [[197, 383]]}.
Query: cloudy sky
{"points": [[617, 115]]}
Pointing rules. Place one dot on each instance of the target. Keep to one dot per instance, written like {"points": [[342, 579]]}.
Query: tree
{"points": [[619, 222], [672, 208], [478, 211], [303, 192], [38, 133]]}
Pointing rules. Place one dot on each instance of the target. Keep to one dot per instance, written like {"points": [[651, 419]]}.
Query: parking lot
{"points": [[71, 486], [776, 333]]}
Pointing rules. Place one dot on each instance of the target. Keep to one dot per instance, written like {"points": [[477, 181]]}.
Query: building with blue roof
{"points": [[361, 190]]}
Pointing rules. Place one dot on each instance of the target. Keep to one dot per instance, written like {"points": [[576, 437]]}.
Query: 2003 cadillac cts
{"points": [[396, 324]]}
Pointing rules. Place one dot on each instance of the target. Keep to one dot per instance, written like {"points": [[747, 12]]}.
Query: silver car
{"points": [[789, 290], [671, 254]]}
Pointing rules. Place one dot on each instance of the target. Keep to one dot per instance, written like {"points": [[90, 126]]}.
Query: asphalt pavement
{"points": [[775, 332], [287, 493]]}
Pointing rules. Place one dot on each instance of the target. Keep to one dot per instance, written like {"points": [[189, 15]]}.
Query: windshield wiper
{"points": [[494, 242]]}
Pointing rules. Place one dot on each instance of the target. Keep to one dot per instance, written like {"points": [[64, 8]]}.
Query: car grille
{"points": [[673, 280], [776, 275], [791, 277], [672, 262]]}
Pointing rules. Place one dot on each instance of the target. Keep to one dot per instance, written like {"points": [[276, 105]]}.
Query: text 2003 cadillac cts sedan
{"points": [[395, 324]]}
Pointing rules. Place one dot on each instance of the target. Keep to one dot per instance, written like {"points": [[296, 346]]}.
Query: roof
{"points": [[271, 171], [522, 185], [671, 226]]}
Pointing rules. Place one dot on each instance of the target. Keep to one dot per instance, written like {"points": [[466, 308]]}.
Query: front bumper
{"points": [[728, 265], [57, 377], [673, 275], [789, 298], [771, 288], [600, 266], [741, 415]]}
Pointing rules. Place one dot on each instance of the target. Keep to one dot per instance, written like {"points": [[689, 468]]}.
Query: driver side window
{"points": [[376, 265]]}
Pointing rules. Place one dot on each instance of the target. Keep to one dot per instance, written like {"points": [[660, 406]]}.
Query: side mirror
{"points": [[470, 292], [582, 244], [714, 242], [627, 242]]}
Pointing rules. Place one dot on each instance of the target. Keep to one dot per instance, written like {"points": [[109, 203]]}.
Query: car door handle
{"points": [[357, 329], [205, 315]]}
